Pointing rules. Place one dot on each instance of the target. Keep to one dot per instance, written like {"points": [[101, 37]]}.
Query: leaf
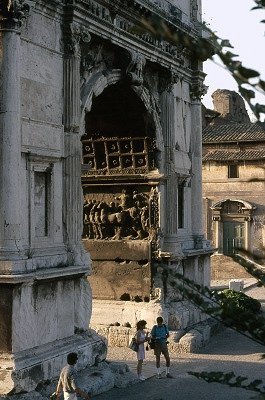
{"points": [[230, 55], [226, 43], [247, 93], [247, 72], [261, 84]]}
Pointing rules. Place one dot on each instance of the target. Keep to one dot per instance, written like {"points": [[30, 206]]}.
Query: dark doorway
{"points": [[233, 236]]}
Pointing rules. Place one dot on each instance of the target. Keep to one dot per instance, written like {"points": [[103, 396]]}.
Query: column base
{"points": [[171, 248], [23, 371]]}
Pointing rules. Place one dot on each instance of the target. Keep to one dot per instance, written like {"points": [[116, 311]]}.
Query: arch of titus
{"points": [[84, 95]]}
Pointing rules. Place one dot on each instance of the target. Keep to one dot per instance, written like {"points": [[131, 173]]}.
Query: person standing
{"points": [[159, 334], [141, 338], [68, 381]]}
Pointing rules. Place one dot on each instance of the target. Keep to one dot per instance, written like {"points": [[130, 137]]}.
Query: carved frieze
{"points": [[12, 13], [128, 215]]}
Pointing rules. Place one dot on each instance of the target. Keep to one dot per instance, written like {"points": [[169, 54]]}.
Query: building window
{"points": [[233, 171], [180, 206]]}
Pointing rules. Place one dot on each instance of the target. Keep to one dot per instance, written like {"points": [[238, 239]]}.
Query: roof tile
{"points": [[233, 132]]}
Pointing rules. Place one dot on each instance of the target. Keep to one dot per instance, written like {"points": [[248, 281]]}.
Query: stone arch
{"points": [[99, 82]]}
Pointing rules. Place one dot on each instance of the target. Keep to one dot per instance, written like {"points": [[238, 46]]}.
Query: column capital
{"points": [[74, 34], [12, 14], [167, 81], [197, 87]]}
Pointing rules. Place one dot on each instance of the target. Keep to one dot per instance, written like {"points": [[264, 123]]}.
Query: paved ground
{"points": [[228, 351]]}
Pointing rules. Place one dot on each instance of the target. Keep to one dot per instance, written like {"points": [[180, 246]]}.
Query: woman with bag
{"points": [[141, 338]]}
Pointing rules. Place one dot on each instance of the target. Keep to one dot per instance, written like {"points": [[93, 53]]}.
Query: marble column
{"points": [[10, 141], [196, 150]]}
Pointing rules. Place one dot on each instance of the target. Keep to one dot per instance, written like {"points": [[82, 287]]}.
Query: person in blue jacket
{"points": [[159, 334]]}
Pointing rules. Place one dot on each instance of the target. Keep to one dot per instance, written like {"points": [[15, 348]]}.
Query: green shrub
{"points": [[239, 301]]}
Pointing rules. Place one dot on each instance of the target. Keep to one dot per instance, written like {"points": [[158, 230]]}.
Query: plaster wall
{"points": [[248, 187]]}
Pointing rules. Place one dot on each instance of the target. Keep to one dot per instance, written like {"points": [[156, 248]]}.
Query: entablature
{"points": [[122, 24]]}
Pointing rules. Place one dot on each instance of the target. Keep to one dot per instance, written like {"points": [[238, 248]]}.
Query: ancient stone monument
{"points": [[75, 75]]}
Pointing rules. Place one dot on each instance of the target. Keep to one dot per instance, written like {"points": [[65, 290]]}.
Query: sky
{"points": [[233, 20]]}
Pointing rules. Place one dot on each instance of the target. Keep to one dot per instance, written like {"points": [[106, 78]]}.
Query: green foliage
{"points": [[238, 301]]}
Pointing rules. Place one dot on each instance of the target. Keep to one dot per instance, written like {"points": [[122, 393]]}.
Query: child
{"points": [[141, 338]]}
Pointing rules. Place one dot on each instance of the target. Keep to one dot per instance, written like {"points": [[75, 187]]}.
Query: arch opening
{"points": [[120, 194], [119, 136]]}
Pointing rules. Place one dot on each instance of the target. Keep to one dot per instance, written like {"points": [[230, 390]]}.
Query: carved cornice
{"points": [[12, 14]]}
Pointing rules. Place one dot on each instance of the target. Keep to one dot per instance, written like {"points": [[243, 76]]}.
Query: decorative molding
{"points": [[12, 14]]}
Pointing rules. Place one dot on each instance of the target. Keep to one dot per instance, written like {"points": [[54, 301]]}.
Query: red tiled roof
{"points": [[222, 155], [233, 132]]}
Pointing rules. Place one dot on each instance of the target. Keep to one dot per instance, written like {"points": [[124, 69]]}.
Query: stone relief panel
{"points": [[125, 214]]}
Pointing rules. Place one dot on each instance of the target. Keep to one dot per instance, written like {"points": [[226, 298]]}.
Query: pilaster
{"points": [[73, 199], [11, 17]]}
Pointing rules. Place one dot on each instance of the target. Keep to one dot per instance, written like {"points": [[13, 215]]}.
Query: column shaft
{"points": [[196, 198], [167, 112], [10, 149], [73, 205]]}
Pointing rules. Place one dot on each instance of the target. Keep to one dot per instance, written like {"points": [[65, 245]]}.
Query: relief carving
{"points": [[130, 216], [134, 71], [95, 58]]}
